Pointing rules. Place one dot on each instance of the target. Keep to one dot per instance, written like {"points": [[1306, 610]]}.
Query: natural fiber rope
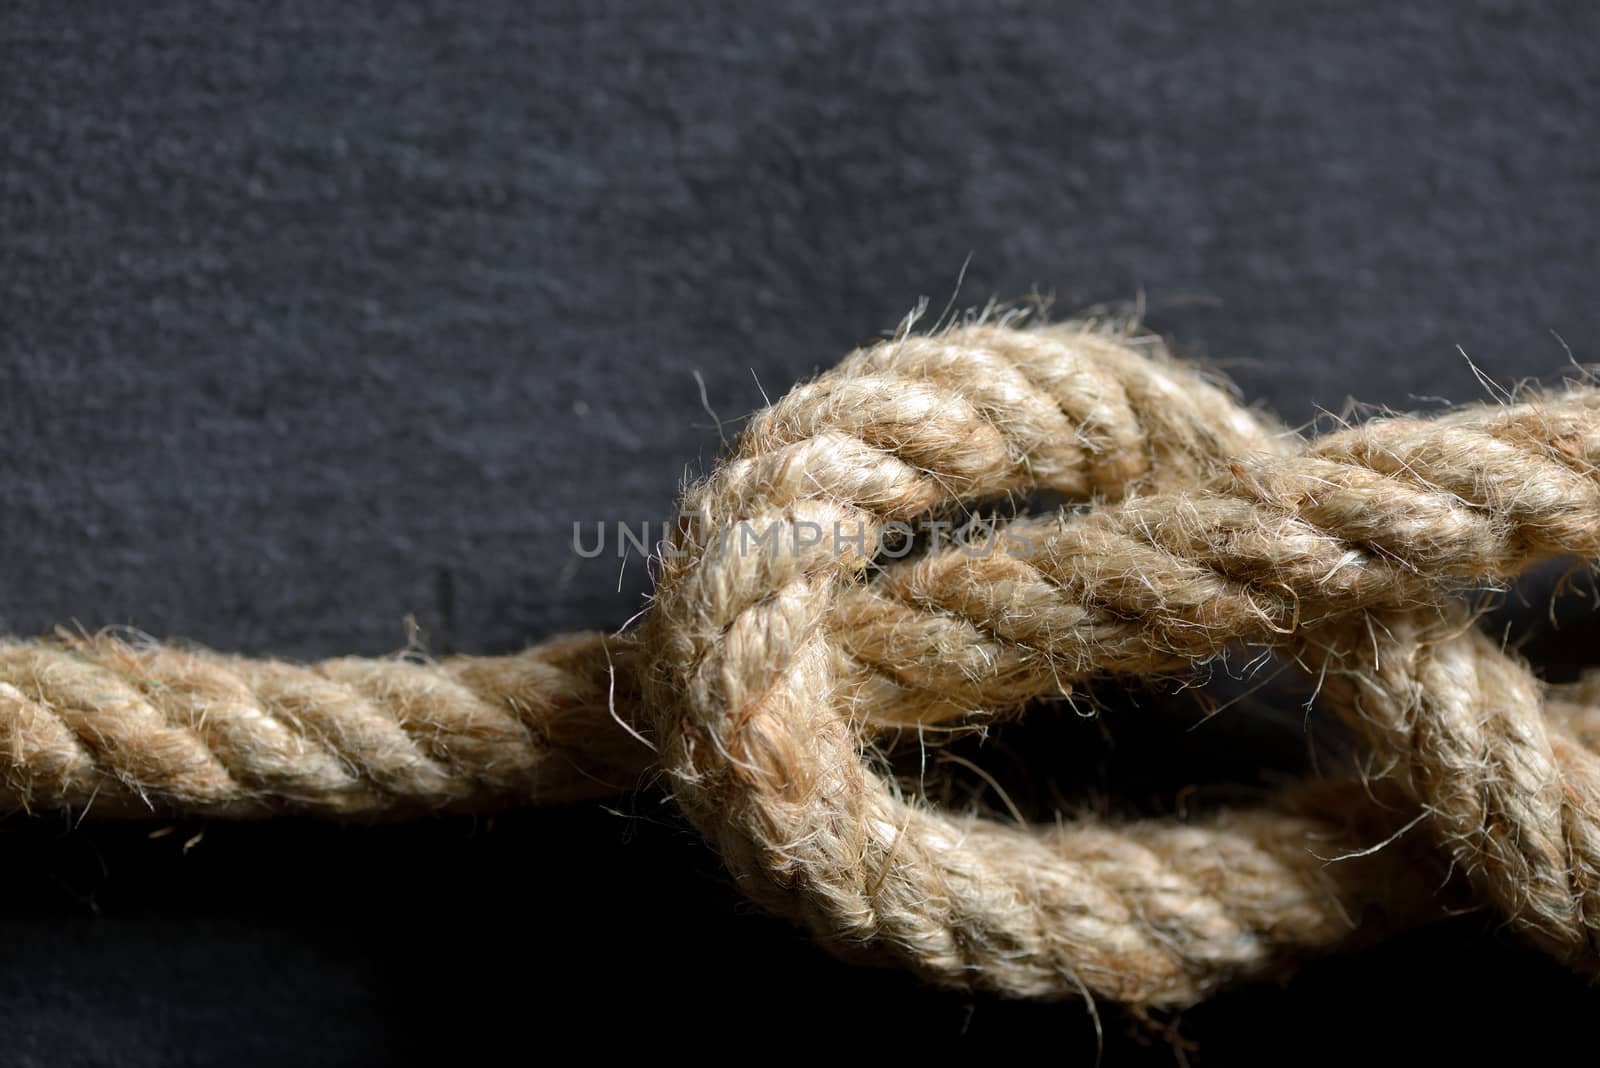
{"points": [[118, 726], [752, 685]]}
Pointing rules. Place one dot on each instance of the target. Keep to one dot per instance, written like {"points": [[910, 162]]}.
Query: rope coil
{"points": [[759, 677]]}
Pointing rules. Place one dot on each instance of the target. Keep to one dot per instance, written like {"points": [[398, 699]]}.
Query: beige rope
{"points": [[756, 682], [122, 727], [1514, 797]]}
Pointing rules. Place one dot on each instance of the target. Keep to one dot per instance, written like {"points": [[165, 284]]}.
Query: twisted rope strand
{"points": [[121, 727], [1385, 514], [1514, 795]]}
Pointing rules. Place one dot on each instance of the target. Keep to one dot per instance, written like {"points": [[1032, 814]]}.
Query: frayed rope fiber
{"points": [[762, 677]]}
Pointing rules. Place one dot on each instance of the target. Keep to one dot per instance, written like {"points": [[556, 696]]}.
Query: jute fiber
{"points": [[790, 634]]}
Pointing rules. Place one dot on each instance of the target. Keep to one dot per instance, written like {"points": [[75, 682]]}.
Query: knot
{"points": [[766, 667], [796, 619]]}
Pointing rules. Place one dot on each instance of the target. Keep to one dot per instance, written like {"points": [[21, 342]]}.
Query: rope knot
{"points": [[1225, 530], [801, 609]]}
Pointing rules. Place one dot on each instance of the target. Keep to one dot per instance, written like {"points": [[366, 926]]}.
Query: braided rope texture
{"points": [[763, 675]]}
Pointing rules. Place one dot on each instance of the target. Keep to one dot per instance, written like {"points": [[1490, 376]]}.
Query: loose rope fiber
{"points": [[784, 645]]}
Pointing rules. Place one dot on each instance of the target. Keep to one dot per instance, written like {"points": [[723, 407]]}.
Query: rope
{"points": [[787, 638]]}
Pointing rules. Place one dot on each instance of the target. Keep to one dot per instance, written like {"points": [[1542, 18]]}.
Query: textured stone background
{"points": [[319, 317]]}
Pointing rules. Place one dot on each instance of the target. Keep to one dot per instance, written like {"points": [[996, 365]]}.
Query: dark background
{"points": [[314, 317]]}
